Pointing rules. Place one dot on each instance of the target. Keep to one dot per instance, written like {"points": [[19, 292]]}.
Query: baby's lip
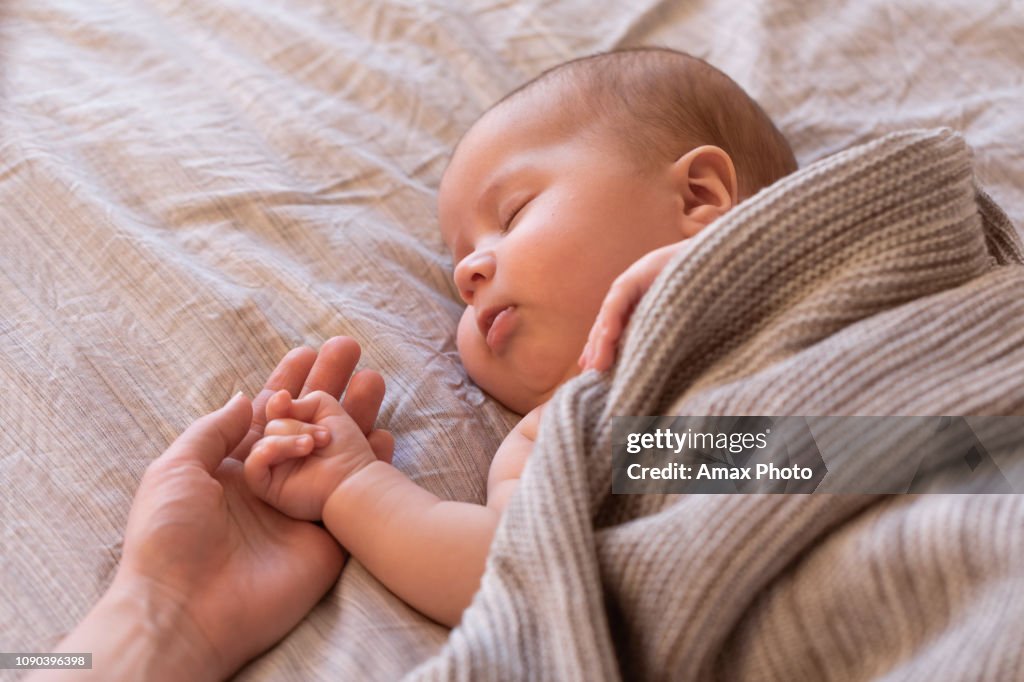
{"points": [[502, 326], [485, 318]]}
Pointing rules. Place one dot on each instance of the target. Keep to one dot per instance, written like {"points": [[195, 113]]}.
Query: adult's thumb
{"points": [[209, 439]]}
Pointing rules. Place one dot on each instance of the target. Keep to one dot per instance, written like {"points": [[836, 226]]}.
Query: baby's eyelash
{"points": [[508, 221]]}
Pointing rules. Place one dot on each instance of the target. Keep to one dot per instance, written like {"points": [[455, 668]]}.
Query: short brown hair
{"points": [[663, 103]]}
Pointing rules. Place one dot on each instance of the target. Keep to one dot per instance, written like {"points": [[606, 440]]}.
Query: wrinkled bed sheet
{"points": [[189, 189]]}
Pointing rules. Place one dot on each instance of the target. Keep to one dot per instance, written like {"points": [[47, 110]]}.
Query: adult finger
{"points": [[289, 375], [363, 398], [382, 443], [210, 438], [333, 367]]}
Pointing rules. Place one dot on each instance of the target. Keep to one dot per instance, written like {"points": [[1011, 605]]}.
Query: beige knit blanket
{"points": [[878, 281]]}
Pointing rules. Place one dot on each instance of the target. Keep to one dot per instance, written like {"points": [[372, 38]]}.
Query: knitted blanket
{"points": [[878, 281]]}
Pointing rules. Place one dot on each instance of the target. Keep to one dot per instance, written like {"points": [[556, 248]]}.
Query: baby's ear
{"points": [[706, 179]]}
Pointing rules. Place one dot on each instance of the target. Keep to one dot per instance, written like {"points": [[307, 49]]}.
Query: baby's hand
{"points": [[309, 447], [619, 304]]}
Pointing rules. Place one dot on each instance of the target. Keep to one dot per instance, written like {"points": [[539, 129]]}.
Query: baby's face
{"points": [[539, 223]]}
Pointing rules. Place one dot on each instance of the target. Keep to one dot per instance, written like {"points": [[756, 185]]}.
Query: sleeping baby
{"points": [[572, 191]]}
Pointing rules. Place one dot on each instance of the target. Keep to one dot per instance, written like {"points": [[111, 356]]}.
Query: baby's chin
{"points": [[524, 376], [507, 390], [521, 402], [516, 391]]}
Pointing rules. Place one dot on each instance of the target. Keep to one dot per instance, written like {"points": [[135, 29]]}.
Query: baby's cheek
{"points": [[486, 371], [471, 346]]}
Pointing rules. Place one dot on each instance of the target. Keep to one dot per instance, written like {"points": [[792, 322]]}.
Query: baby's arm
{"points": [[428, 551]]}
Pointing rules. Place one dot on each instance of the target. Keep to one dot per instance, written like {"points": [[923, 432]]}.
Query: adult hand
{"points": [[291, 470], [329, 371], [219, 575]]}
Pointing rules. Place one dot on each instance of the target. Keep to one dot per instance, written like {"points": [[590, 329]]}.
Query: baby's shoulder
{"points": [[528, 425], [513, 452]]}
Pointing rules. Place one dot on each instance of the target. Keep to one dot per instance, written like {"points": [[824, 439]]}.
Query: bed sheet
{"points": [[189, 189]]}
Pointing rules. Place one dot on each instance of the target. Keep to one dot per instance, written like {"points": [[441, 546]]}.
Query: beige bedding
{"points": [[188, 189]]}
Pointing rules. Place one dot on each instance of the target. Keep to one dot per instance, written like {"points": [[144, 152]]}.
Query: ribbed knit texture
{"points": [[877, 281]]}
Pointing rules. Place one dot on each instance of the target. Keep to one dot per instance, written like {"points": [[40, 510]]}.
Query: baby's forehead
{"points": [[498, 147], [493, 141]]}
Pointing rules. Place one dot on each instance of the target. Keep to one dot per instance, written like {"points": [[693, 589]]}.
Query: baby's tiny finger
{"points": [[278, 405], [582, 361], [605, 352], [277, 449], [297, 427], [588, 349]]}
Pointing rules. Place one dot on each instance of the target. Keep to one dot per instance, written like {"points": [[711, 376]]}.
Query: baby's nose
{"points": [[471, 273]]}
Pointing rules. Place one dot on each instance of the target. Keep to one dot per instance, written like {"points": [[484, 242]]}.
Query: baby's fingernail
{"points": [[303, 442], [322, 436]]}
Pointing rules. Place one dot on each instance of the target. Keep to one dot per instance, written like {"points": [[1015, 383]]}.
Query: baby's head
{"points": [[568, 180]]}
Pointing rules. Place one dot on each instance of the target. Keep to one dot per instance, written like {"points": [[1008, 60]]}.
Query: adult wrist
{"points": [[156, 636], [137, 631]]}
